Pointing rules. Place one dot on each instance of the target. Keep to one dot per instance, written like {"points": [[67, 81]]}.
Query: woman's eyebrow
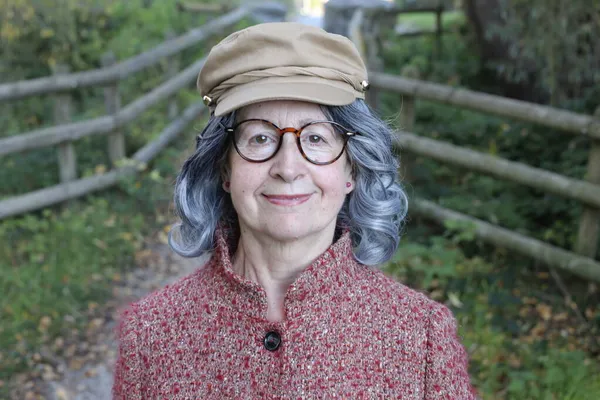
{"points": [[305, 121]]}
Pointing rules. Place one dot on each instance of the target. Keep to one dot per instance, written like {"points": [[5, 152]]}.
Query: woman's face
{"points": [[287, 197]]}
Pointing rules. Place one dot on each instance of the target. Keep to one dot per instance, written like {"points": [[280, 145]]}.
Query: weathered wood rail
{"points": [[581, 260], [585, 191], [65, 132], [122, 70]]}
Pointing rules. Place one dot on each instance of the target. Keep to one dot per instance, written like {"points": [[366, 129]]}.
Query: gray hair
{"points": [[373, 212]]}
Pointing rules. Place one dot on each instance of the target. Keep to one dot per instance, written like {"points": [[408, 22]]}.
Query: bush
{"points": [[514, 350], [54, 265], [538, 214]]}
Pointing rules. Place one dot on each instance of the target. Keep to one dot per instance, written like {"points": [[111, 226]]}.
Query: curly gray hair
{"points": [[373, 212]]}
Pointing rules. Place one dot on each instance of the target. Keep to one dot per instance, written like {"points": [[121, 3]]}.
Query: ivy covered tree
{"points": [[550, 48]]}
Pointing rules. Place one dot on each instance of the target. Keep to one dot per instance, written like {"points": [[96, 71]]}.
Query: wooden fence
{"points": [[62, 136], [581, 260], [65, 132], [365, 28]]}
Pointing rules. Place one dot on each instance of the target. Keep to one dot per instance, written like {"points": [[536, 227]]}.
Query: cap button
{"points": [[365, 85], [207, 100]]}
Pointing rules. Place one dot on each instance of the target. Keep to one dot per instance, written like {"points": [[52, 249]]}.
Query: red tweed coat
{"points": [[349, 332]]}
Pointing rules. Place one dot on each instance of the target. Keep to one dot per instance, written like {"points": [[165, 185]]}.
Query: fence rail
{"points": [[550, 255], [580, 262], [536, 178], [57, 134], [119, 71], [64, 133], [501, 106], [69, 190]]}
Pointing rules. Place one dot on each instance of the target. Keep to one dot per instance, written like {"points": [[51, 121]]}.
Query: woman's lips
{"points": [[287, 200]]}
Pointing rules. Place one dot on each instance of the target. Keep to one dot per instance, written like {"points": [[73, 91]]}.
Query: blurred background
{"points": [[497, 103]]}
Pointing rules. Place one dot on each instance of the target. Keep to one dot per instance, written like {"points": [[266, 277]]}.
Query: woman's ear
{"points": [[225, 177], [349, 186], [350, 181]]}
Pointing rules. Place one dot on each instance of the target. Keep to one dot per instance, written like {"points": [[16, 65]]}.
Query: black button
{"points": [[272, 341]]}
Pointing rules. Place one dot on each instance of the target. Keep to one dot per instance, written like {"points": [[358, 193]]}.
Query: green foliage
{"points": [[54, 264], [552, 45], [514, 354], [507, 361], [426, 21], [545, 216], [126, 28], [456, 67]]}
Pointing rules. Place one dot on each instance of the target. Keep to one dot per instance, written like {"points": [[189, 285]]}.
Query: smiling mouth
{"points": [[287, 200]]}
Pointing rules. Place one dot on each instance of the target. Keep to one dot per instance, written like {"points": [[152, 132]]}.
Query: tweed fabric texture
{"points": [[350, 332]]}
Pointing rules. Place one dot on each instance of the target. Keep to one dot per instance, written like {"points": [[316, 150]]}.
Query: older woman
{"points": [[293, 188]]}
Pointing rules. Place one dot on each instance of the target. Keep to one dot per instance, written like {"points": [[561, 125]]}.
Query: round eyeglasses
{"points": [[319, 142]]}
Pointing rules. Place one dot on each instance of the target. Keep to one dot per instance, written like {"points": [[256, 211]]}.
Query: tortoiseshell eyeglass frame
{"points": [[345, 132]]}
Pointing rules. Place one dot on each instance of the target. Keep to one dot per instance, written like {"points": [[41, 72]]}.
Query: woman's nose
{"points": [[288, 163]]}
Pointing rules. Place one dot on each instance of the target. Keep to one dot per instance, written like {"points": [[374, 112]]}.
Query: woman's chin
{"points": [[285, 231]]}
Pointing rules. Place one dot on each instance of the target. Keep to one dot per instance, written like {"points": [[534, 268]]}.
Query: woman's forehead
{"points": [[286, 112]]}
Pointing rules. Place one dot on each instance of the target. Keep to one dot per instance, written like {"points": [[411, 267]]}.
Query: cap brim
{"points": [[310, 89]]}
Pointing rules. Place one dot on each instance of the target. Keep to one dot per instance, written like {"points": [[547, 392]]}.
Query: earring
{"points": [[348, 184]]}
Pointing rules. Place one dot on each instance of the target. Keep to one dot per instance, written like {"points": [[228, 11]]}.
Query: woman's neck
{"points": [[275, 264]]}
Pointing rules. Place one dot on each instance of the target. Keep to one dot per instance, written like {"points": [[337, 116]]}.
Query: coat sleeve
{"points": [[128, 375], [446, 370]]}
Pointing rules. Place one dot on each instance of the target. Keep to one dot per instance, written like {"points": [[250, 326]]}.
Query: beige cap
{"points": [[282, 61]]}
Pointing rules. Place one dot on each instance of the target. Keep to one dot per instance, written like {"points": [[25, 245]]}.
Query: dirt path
{"points": [[87, 375]]}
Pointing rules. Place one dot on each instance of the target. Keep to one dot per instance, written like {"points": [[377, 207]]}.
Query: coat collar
{"points": [[328, 276]]}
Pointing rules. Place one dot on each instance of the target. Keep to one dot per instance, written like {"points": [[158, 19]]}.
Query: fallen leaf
{"points": [[61, 394], [514, 361], [544, 310], [162, 237], [454, 300], [96, 323], [75, 364], [589, 313], [48, 374], [561, 316], [45, 322], [100, 244]]}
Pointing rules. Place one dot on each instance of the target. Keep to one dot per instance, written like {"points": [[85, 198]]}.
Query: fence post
{"points": [[172, 70], [112, 103], [407, 123], [67, 159], [589, 226], [373, 56], [438, 31]]}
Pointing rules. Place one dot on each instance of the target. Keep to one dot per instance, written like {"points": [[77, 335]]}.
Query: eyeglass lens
{"points": [[321, 142]]}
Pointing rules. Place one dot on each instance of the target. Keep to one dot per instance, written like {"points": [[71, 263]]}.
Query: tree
{"points": [[551, 47]]}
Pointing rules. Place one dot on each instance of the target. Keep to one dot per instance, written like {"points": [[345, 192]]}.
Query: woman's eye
{"points": [[260, 139], [315, 139]]}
